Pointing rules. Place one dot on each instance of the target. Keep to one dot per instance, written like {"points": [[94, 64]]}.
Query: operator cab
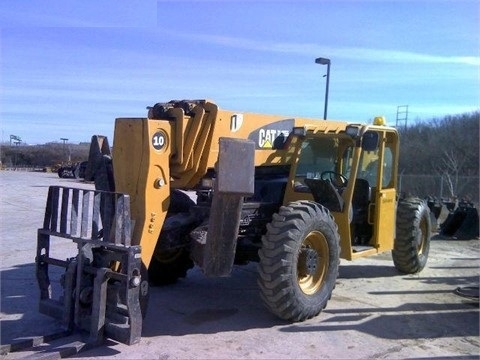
{"points": [[340, 170]]}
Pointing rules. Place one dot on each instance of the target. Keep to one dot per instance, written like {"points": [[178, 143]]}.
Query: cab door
{"points": [[382, 213]]}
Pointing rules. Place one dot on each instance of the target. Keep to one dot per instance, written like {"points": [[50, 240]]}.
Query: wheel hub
{"points": [[307, 262], [420, 238]]}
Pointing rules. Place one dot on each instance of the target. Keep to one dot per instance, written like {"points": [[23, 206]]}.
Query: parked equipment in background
{"points": [[72, 171], [462, 222]]}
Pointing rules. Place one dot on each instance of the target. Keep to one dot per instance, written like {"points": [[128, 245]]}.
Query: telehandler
{"points": [[294, 195]]}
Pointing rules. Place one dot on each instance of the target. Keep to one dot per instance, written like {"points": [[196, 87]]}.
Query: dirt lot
{"points": [[374, 311]]}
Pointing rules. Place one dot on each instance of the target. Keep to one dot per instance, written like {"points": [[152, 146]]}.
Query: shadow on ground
{"points": [[200, 305]]}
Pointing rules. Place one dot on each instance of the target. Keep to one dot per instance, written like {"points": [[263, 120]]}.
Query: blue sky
{"points": [[69, 68]]}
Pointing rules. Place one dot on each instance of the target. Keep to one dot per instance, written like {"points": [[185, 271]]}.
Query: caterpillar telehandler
{"points": [[294, 195]]}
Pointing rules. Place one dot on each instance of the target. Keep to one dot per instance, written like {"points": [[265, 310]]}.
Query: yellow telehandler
{"points": [[192, 184]]}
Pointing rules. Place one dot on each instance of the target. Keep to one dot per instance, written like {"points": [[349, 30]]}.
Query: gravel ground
{"points": [[374, 311]]}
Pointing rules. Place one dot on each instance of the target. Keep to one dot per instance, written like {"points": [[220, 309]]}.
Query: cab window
{"points": [[317, 155], [369, 167]]}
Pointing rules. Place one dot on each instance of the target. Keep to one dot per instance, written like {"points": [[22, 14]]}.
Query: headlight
{"points": [[353, 131], [299, 131]]}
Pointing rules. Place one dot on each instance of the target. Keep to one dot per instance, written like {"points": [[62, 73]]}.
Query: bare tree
{"points": [[450, 169]]}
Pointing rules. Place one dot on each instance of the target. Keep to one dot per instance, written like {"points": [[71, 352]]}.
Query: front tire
{"points": [[299, 261], [167, 266], [412, 241]]}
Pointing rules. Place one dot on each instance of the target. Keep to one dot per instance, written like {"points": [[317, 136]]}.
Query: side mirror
{"points": [[370, 141]]}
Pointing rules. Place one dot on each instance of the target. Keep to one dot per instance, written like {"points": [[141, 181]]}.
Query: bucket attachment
{"points": [[101, 285], [463, 223], [438, 213]]}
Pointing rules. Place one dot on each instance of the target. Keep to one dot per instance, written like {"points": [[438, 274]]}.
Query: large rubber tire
{"points": [[166, 267], [299, 261], [412, 241]]}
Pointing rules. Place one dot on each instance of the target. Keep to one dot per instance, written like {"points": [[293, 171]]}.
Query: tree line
{"points": [[43, 156], [442, 154]]}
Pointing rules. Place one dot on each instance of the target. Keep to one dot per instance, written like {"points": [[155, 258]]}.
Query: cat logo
{"points": [[267, 138], [272, 136]]}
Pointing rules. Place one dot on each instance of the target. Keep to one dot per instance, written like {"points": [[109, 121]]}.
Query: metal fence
{"points": [[440, 186]]}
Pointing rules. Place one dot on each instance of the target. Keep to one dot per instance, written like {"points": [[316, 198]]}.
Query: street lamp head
{"points": [[322, 61]]}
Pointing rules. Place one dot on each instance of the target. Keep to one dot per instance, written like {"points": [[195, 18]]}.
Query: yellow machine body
{"points": [[151, 156]]}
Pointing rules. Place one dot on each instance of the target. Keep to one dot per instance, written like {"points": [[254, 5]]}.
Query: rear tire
{"points": [[299, 261], [412, 241]]}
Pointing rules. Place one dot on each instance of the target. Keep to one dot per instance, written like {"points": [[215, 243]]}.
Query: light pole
{"points": [[64, 151], [325, 61]]}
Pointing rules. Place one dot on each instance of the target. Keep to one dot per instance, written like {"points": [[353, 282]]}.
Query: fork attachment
{"points": [[101, 288]]}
